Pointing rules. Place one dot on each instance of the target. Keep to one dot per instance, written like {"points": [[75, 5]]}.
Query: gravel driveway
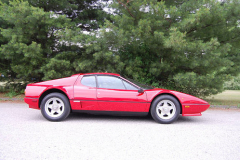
{"points": [[25, 134]]}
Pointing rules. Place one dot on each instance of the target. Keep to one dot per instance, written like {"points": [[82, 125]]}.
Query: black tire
{"points": [[55, 107], [165, 109]]}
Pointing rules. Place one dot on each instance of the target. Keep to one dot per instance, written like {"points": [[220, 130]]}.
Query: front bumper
{"points": [[32, 102], [194, 109]]}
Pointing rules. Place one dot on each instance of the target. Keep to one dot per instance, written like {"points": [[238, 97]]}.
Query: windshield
{"points": [[143, 86]]}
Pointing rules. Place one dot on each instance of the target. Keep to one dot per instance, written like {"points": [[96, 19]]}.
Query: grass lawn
{"points": [[226, 98]]}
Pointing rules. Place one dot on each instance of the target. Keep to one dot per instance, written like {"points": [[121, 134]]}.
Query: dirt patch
{"points": [[17, 99], [12, 101]]}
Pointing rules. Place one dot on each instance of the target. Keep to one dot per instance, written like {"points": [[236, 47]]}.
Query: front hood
{"points": [[188, 99], [182, 97]]}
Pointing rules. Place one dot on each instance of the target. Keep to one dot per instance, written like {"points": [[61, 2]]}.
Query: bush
{"points": [[234, 84], [11, 93], [3, 89], [13, 89]]}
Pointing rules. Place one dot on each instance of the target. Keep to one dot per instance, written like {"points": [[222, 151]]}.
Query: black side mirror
{"points": [[140, 90]]}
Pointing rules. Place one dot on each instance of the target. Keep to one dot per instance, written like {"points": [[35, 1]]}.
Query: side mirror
{"points": [[140, 90]]}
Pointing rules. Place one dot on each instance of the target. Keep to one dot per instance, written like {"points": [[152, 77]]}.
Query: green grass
{"points": [[228, 98]]}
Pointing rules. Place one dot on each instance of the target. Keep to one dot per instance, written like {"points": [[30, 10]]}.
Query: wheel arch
{"points": [[52, 90], [169, 95]]}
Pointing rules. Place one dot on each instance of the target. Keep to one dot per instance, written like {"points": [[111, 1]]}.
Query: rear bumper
{"points": [[32, 102], [194, 109]]}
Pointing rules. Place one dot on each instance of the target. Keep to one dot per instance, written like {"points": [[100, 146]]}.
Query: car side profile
{"points": [[111, 94]]}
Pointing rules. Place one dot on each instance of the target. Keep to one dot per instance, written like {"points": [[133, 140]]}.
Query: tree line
{"points": [[189, 46]]}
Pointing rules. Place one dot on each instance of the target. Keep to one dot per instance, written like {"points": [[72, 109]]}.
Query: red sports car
{"points": [[109, 93]]}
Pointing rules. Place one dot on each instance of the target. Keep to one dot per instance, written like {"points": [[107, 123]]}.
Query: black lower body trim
{"points": [[115, 113]]}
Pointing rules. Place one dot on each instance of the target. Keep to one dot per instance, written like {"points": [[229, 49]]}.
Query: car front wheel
{"points": [[55, 107], [165, 109]]}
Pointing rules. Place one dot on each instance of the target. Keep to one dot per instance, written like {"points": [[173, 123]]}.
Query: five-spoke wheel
{"points": [[165, 109], [55, 107]]}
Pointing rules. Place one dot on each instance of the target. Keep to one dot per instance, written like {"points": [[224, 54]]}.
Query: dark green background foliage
{"points": [[30, 45], [189, 46], [233, 84]]}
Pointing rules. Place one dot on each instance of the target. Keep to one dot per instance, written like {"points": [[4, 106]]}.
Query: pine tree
{"points": [[30, 47], [190, 46]]}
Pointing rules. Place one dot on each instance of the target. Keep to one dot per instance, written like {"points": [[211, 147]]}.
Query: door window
{"points": [[89, 81], [129, 86], [110, 82]]}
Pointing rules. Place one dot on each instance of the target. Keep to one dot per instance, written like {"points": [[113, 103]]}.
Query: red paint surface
{"points": [[121, 100], [100, 99], [32, 102]]}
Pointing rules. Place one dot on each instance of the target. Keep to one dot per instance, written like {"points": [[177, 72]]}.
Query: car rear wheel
{"points": [[55, 107], [165, 109]]}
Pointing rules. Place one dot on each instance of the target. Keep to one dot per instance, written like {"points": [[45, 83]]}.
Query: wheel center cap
{"points": [[165, 109], [55, 107]]}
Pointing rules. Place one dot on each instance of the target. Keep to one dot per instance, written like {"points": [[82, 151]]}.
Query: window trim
{"points": [[89, 76], [126, 80], [137, 88], [119, 77]]}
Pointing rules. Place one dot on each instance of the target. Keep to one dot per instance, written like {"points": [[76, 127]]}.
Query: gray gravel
{"points": [[25, 134]]}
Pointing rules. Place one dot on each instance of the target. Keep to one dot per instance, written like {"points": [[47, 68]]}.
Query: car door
{"points": [[85, 93], [116, 94]]}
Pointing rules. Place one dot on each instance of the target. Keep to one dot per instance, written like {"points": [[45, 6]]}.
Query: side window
{"points": [[89, 81], [110, 82], [129, 86]]}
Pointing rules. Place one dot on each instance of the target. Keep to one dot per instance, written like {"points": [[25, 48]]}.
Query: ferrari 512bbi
{"points": [[109, 93]]}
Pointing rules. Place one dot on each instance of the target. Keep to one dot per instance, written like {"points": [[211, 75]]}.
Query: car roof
{"points": [[112, 74]]}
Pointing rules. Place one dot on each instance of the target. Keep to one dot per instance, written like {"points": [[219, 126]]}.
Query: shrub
{"points": [[233, 84]]}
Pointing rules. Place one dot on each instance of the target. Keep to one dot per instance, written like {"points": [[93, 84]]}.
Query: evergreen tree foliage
{"points": [[30, 40], [86, 14], [29, 46], [189, 46]]}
